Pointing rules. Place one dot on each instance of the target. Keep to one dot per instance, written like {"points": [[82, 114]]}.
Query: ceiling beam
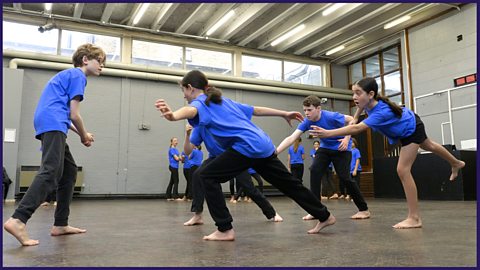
{"points": [[191, 19], [354, 19], [274, 22], [250, 14], [308, 11], [17, 6], [165, 12], [316, 24], [133, 13], [371, 25], [107, 12], [218, 14]]}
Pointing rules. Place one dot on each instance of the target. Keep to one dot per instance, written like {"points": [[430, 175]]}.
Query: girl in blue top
{"points": [[395, 123], [173, 158], [58, 110], [355, 166], [331, 150], [296, 155], [247, 146]]}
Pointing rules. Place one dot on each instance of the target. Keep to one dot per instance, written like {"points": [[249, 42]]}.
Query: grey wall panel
{"points": [[12, 104], [339, 76]]}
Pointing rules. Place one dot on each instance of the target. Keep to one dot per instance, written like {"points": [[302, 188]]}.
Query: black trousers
{"points": [[356, 178], [231, 163], [341, 162], [259, 181], [328, 187], [173, 184], [245, 183], [297, 170], [58, 169]]}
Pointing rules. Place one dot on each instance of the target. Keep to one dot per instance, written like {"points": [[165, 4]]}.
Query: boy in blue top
{"points": [[296, 155], [246, 146], [395, 123], [331, 150], [57, 111], [196, 137]]}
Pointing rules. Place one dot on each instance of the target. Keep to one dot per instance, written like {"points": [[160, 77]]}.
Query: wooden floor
{"points": [[150, 233]]}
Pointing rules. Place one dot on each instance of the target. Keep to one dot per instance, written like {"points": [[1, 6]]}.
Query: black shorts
{"points": [[418, 135]]}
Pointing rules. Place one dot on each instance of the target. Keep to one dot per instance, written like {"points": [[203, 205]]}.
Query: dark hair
{"points": [[312, 100], [199, 147], [91, 52], [370, 84], [316, 141], [198, 80], [355, 142], [296, 144]]}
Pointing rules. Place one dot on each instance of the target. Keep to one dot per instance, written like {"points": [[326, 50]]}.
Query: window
{"points": [[390, 60], [356, 71], [155, 54], [71, 40], [209, 61], [23, 37], [393, 86], [261, 68], [302, 73], [372, 66]]}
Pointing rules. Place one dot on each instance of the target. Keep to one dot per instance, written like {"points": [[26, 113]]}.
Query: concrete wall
{"points": [[437, 58]]}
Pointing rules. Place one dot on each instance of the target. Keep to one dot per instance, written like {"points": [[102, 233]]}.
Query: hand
{"points": [[289, 116], [343, 144], [188, 129], [354, 173], [319, 132], [88, 140], [163, 107]]}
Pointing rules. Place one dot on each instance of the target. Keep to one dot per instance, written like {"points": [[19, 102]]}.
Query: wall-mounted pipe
{"points": [[16, 62]]}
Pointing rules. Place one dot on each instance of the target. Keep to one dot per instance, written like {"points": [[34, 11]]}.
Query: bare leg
{"points": [[221, 236], [17, 228], [62, 230], [408, 154], [195, 220], [439, 150], [320, 225], [276, 218]]}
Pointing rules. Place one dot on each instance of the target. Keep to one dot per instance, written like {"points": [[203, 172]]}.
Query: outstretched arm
{"points": [[289, 141], [346, 140], [347, 130], [356, 116], [288, 116], [186, 112]]}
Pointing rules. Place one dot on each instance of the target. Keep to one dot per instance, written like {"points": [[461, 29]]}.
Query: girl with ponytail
{"points": [[246, 146], [396, 124]]}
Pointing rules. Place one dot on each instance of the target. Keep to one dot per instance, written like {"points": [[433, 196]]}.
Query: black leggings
{"points": [[173, 183], [259, 181], [297, 170], [231, 163]]}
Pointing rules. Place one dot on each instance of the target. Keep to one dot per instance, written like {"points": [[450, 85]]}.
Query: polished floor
{"points": [[150, 233]]}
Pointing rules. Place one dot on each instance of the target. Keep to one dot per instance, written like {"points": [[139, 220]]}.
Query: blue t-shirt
{"points": [[382, 119], [200, 134], [328, 120], [173, 151], [355, 155], [196, 158], [230, 125], [186, 161], [53, 109], [251, 171], [296, 157]]}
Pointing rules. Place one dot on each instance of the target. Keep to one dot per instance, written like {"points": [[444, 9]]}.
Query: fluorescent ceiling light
{"points": [[223, 20], [288, 34], [48, 6], [397, 21], [332, 8], [140, 13], [336, 49]]}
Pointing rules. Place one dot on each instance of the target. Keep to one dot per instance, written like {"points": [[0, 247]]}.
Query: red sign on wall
{"points": [[472, 78]]}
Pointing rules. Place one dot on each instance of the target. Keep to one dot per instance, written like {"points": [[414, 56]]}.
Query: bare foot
{"points": [[61, 230], [361, 215], [334, 196], [45, 204], [17, 228], [308, 217], [409, 223], [455, 170], [195, 220], [324, 198], [320, 225], [221, 236], [276, 218]]}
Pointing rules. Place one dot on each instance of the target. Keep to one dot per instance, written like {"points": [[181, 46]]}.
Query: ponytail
{"points": [[397, 110], [296, 144], [214, 95]]}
